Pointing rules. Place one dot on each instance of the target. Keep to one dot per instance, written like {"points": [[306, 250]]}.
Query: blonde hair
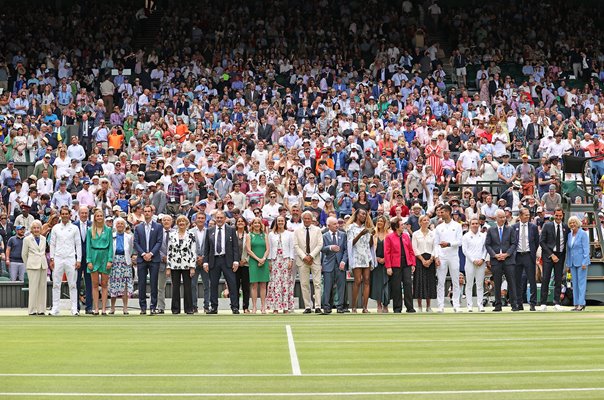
{"points": [[259, 220], [94, 229], [576, 219], [181, 217]]}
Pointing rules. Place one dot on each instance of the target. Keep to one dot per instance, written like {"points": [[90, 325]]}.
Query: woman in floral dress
{"points": [[281, 257], [360, 255]]}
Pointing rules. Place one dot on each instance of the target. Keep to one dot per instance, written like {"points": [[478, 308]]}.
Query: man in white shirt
{"points": [[44, 184], [76, 151], [65, 251], [467, 160], [447, 239], [199, 230], [472, 245]]}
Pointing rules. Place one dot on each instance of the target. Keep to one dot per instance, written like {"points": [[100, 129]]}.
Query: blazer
{"points": [[507, 245], [34, 254], [392, 250], [199, 245], [330, 260], [231, 246], [181, 255], [155, 240], [577, 253], [287, 243], [88, 225], [548, 238], [533, 239], [316, 244], [128, 246]]}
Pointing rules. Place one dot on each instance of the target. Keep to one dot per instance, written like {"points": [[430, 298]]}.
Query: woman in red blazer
{"points": [[397, 272]]}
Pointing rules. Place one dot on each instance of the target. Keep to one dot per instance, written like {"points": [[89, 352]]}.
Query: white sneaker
{"points": [[419, 309], [543, 308], [54, 312], [469, 309], [441, 310], [75, 313], [480, 309], [558, 307]]}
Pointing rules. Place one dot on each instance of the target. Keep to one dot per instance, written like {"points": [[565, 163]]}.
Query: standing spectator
{"points": [[166, 222], [121, 279], [34, 258], [258, 249], [472, 245], [308, 243], [553, 244], [333, 261], [181, 257], [379, 278], [577, 260], [501, 244], [83, 223], [526, 258], [360, 237], [147, 242], [281, 257], [99, 259], [14, 259], [424, 279], [398, 256], [243, 272], [199, 231], [221, 257], [65, 253], [447, 239]]}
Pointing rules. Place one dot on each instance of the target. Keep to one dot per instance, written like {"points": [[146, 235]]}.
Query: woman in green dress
{"points": [[258, 249], [99, 258]]}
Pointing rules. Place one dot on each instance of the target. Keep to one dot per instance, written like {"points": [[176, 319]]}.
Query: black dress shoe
{"points": [[497, 309], [307, 311], [41, 313], [212, 312], [195, 310], [143, 312], [318, 311], [515, 309], [190, 312], [346, 310], [161, 312], [533, 308], [89, 312], [205, 310], [173, 312], [411, 311], [520, 308], [153, 312], [340, 311], [327, 311], [235, 311]]}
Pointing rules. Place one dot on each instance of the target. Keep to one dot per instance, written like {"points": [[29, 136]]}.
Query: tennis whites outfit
{"points": [[474, 249], [449, 261], [65, 250]]}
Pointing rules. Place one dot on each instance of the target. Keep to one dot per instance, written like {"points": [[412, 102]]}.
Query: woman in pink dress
{"points": [[281, 285], [434, 155]]}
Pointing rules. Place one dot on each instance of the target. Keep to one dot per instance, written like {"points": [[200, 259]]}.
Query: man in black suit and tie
{"points": [[148, 237], [265, 131], [553, 254], [85, 133], [83, 224], [526, 258], [221, 256], [334, 257], [501, 245]]}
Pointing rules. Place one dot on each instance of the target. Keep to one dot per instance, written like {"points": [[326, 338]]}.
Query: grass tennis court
{"points": [[454, 356]]}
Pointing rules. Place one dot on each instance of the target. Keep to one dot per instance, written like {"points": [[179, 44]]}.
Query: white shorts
{"points": [[460, 71]]}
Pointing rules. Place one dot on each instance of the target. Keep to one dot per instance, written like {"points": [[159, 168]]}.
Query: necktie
{"points": [[219, 241], [82, 231], [307, 240], [335, 240], [500, 235], [523, 238], [557, 248], [148, 234]]}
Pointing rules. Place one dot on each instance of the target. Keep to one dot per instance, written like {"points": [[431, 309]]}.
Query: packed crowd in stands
{"points": [[335, 116]]}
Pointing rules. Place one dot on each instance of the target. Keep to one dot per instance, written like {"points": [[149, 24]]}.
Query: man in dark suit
{"points": [[334, 257], [265, 131], [148, 237], [83, 224], [553, 253], [85, 133], [221, 256], [501, 245], [526, 258]]}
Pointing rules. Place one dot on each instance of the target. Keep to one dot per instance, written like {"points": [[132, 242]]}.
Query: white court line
{"points": [[506, 339], [406, 393], [361, 374], [293, 355]]}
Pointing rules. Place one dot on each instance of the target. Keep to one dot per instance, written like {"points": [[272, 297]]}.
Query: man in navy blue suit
{"points": [[148, 237], [83, 224], [333, 262], [526, 258]]}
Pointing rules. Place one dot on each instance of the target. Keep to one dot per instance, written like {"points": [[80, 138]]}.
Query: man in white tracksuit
{"points": [[447, 239], [65, 253], [476, 254]]}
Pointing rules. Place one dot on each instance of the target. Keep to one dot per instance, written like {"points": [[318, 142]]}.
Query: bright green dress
{"points": [[258, 245], [99, 251]]}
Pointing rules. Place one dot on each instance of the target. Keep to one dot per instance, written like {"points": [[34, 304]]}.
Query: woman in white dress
{"points": [[281, 256], [361, 258]]}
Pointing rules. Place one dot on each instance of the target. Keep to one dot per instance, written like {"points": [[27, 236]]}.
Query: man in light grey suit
{"points": [[199, 230], [501, 243], [334, 257], [159, 199], [166, 222]]}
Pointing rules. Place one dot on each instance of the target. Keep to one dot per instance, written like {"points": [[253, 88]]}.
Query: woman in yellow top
{"points": [[99, 258]]}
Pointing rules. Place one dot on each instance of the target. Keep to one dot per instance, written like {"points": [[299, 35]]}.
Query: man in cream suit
{"points": [[34, 258], [166, 222], [308, 243]]}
